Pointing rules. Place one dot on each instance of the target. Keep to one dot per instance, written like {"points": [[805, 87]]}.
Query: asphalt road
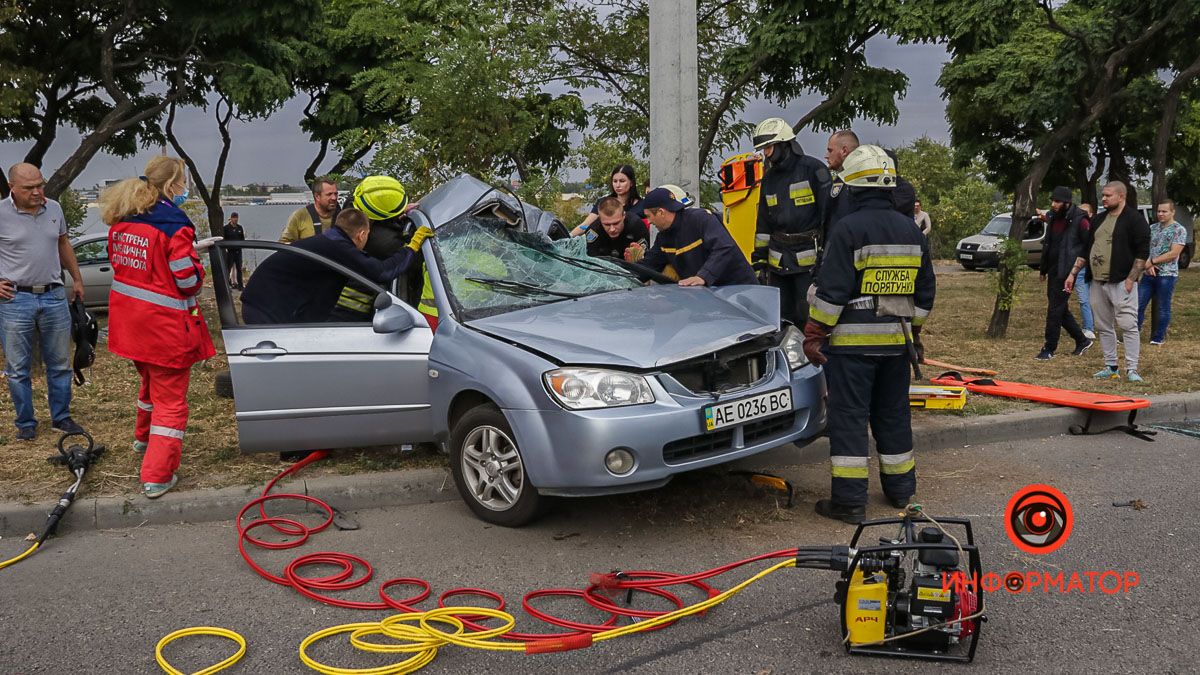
{"points": [[99, 601]]}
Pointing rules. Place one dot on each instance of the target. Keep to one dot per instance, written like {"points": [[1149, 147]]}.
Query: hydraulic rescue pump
{"points": [[911, 595]]}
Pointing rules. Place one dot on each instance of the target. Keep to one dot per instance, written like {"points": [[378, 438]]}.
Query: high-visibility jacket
{"points": [[153, 315], [876, 272], [791, 214]]}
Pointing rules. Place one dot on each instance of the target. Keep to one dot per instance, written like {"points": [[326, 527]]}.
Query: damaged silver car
{"points": [[550, 372]]}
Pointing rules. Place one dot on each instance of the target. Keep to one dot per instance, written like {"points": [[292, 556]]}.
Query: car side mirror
{"points": [[390, 317]]}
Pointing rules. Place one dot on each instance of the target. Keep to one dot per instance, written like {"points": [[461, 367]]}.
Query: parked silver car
{"points": [[551, 373], [91, 250]]}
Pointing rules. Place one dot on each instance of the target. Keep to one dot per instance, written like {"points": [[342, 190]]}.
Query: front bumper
{"points": [[564, 450], [977, 258]]}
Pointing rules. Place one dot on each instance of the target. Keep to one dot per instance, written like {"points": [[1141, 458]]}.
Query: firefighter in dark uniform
{"points": [[692, 242], [791, 215], [875, 290]]}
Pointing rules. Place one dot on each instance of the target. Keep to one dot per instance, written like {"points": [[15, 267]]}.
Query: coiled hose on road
{"points": [[419, 634]]}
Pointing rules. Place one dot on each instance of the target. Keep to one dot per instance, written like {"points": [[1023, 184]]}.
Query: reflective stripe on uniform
{"points": [[156, 430], [180, 264], [848, 467], [355, 300], [919, 316], [145, 406], [775, 258], [187, 282], [761, 240], [888, 255], [806, 257], [683, 249], [894, 464], [866, 335], [122, 288], [825, 312]]}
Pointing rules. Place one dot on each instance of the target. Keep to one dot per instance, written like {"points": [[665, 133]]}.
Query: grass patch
{"points": [[106, 407], [956, 333], [211, 458]]}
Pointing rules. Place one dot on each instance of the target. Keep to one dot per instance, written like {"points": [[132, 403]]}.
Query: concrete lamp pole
{"points": [[674, 103]]}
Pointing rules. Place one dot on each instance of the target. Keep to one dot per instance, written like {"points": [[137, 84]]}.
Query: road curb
{"points": [[420, 486], [346, 493]]}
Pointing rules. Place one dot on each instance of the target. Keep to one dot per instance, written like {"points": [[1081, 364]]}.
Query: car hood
{"points": [[640, 328], [979, 239]]}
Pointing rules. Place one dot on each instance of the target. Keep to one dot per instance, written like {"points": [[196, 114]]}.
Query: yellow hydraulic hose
{"points": [[424, 639], [201, 630], [26, 554]]}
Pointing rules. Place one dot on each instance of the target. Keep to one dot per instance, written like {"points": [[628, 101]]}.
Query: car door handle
{"points": [[263, 349], [105, 269]]}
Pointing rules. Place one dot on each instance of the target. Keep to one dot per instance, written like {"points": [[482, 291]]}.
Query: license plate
{"points": [[967, 256], [721, 415]]}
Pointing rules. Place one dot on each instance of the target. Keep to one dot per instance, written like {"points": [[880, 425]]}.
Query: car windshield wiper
{"points": [[522, 288], [586, 264]]}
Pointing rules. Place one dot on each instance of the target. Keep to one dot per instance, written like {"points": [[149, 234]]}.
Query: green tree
{"points": [[74, 210], [1029, 82], [960, 200], [250, 82], [776, 49], [111, 69], [598, 156], [483, 105]]}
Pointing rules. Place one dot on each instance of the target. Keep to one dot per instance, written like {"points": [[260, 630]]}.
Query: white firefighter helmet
{"points": [[773, 130], [869, 166], [679, 194]]}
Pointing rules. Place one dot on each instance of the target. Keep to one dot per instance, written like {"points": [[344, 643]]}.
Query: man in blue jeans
{"points": [[34, 249], [1167, 239]]}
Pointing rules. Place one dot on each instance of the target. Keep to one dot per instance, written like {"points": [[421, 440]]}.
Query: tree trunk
{"points": [[1024, 208], [349, 159], [88, 147], [1118, 163], [46, 135], [310, 174], [1101, 159], [1166, 128], [210, 194]]}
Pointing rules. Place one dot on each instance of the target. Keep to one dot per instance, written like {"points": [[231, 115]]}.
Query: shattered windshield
{"points": [[492, 268]]}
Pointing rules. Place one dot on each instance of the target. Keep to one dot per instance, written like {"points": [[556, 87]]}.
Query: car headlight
{"points": [[793, 348], [989, 246], [586, 388]]}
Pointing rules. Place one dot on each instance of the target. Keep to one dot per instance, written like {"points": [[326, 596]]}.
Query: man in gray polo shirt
{"points": [[34, 249]]}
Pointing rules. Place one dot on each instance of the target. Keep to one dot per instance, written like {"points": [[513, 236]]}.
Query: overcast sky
{"points": [[276, 151]]}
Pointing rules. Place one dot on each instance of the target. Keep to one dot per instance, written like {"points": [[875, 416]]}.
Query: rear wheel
{"points": [[1185, 259], [489, 471]]}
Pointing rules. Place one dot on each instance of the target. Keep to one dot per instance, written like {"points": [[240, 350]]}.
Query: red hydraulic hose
{"points": [[352, 572]]}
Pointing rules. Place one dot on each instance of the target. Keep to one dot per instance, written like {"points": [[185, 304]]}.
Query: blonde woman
{"points": [[154, 319]]}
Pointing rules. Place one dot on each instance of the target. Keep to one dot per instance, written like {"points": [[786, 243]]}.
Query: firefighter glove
{"points": [[917, 346], [815, 336], [423, 232]]}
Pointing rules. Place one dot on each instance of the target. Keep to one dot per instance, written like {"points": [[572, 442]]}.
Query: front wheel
{"points": [[488, 470]]}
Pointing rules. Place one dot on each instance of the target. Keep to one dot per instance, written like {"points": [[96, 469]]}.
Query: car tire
{"points": [[1185, 259], [970, 267], [489, 471], [223, 384]]}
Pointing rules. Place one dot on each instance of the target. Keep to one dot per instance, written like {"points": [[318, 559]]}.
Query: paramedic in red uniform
{"points": [[154, 318]]}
